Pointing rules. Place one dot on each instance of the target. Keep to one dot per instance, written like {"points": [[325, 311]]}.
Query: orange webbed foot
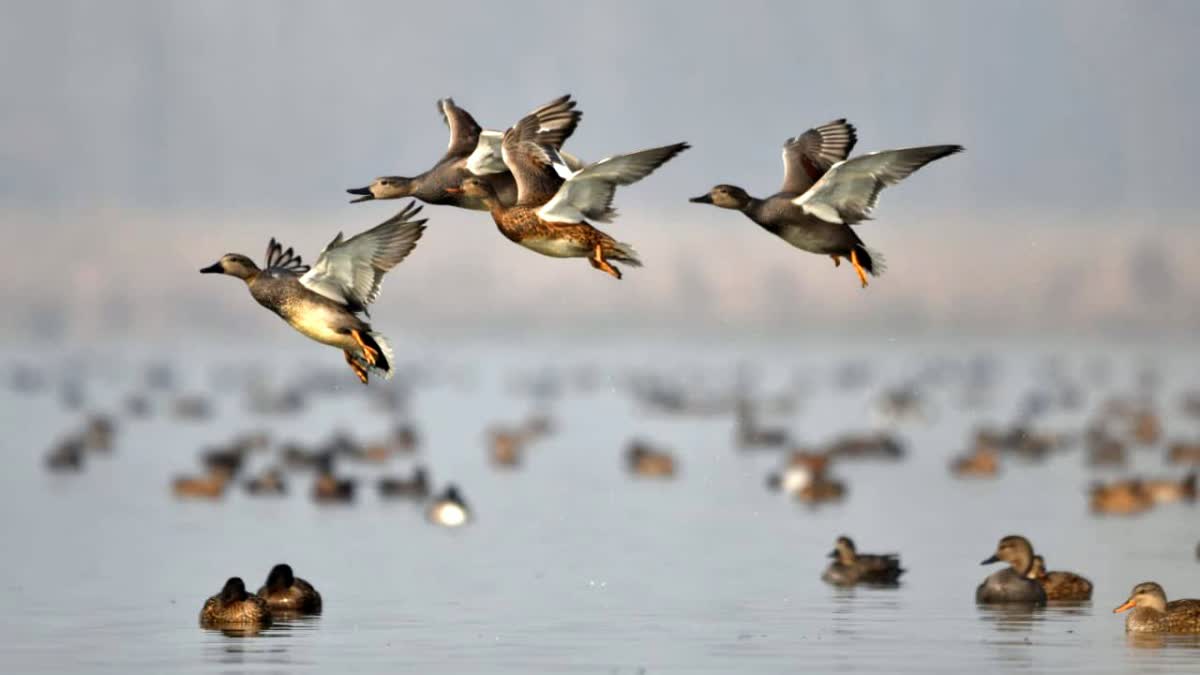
{"points": [[862, 274], [359, 371], [369, 354]]}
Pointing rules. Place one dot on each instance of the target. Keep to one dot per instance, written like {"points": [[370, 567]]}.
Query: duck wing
{"points": [[351, 271], [464, 130], [523, 149], [587, 194], [808, 156], [279, 259], [848, 192]]}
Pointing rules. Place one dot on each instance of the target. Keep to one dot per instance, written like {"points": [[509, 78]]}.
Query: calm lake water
{"points": [[571, 565]]}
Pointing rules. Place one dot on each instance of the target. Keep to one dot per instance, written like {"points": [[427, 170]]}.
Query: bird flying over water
{"points": [[824, 193], [324, 302]]}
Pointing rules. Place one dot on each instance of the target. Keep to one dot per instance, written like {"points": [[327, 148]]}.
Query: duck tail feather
{"points": [[386, 364], [623, 252]]}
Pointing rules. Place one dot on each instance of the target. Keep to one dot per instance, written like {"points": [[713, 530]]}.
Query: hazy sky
{"points": [[142, 139]]}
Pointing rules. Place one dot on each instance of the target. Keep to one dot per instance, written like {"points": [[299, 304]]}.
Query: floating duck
{"points": [[1012, 584], [643, 460], [1153, 614], [286, 592], [449, 509], [1060, 585], [849, 567], [233, 606]]}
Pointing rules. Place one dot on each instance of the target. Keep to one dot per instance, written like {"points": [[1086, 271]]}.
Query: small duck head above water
{"points": [[725, 197], [234, 590], [280, 577], [235, 265], [1146, 594], [1037, 568], [1014, 550], [384, 187], [844, 551]]}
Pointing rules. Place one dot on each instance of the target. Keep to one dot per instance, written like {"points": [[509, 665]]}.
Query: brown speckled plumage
{"points": [[1063, 586], [234, 606], [1153, 614]]}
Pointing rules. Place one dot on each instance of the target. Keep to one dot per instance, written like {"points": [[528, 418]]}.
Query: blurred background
{"points": [[653, 469], [139, 141]]}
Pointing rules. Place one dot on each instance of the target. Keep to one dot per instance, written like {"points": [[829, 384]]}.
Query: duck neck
{"points": [[754, 209], [1022, 562]]}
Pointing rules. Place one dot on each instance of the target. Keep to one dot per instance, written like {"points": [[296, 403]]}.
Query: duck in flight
{"points": [[554, 202], [474, 151], [824, 193], [324, 302]]}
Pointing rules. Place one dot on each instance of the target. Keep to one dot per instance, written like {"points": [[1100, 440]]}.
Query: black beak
{"points": [[214, 268], [702, 199], [990, 560], [364, 191], [833, 553]]}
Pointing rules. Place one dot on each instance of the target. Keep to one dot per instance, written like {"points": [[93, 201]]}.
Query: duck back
{"points": [[1008, 586]]}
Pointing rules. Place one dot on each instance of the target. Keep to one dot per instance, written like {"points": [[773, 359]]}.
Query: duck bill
{"points": [[364, 194], [1125, 607], [702, 199], [990, 560], [833, 553], [214, 268], [454, 191]]}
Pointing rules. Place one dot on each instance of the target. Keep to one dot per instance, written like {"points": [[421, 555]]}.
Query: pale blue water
{"points": [[571, 565]]}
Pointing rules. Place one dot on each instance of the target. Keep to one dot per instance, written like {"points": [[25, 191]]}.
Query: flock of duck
{"points": [[545, 200], [805, 475]]}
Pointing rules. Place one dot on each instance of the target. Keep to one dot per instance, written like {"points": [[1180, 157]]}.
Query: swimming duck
{"points": [[1153, 614], [982, 462], [289, 593], [864, 446], [473, 151], [269, 483], [824, 193], [1184, 452], [1011, 585], [67, 455], [1124, 497], [234, 606], [1167, 490], [327, 487], [850, 567], [208, 486], [415, 487], [506, 446], [554, 202], [323, 302], [1059, 585], [643, 460], [448, 509]]}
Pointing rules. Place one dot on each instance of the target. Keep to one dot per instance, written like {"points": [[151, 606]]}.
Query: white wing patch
{"points": [[488, 156]]}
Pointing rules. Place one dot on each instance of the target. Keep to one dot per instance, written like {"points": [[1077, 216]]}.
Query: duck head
{"points": [[235, 265], [1037, 569], [234, 590], [843, 550], [725, 197], [384, 187], [281, 577], [1014, 550], [1145, 594], [475, 187]]}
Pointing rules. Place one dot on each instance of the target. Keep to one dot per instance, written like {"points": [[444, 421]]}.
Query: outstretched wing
{"points": [[524, 149], [848, 192], [487, 158], [588, 193], [464, 130], [278, 258], [351, 271], [808, 156]]}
